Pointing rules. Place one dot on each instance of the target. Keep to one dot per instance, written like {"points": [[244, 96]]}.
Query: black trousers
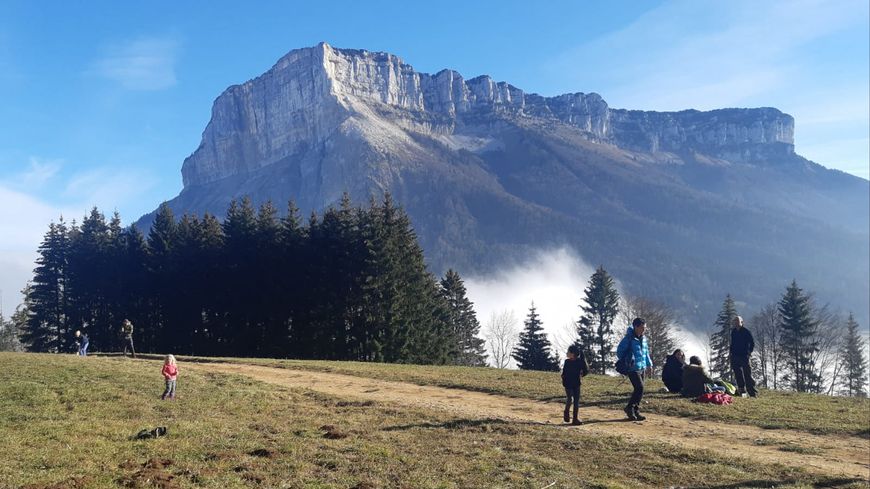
{"points": [[743, 374], [572, 396], [636, 379]]}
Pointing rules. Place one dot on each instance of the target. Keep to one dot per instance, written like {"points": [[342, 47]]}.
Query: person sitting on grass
{"points": [[82, 343], [575, 367], [672, 372], [695, 379], [170, 375]]}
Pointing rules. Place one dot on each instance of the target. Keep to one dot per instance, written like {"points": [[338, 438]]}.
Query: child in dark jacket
{"points": [[575, 367]]}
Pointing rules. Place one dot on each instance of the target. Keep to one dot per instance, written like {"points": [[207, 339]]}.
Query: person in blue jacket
{"points": [[635, 347]]}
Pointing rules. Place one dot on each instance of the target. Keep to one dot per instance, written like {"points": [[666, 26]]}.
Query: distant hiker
{"points": [[634, 351], [82, 343], [695, 379], [672, 372], [742, 345], [170, 375], [575, 367], [127, 332]]}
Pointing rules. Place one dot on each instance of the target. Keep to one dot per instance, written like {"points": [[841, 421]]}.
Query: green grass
{"points": [[66, 422], [772, 409]]}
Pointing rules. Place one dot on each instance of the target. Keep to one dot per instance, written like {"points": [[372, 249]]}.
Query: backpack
{"points": [[729, 387], [624, 365]]}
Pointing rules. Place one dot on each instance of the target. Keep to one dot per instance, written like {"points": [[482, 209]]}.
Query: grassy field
{"points": [[773, 409], [67, 422]]}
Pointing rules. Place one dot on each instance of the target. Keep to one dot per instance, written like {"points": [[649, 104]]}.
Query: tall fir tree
{"points": [[533, 350], [595, 328], [89, 284], [799, 342], [720, 339], [853, 377], [468, 348], [46, 329]]}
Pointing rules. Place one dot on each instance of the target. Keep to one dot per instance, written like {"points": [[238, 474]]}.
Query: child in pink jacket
{"points": [[170, 374]]}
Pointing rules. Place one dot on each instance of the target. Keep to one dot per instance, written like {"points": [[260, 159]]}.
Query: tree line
{"points": [[800, 345], [351, 284]]}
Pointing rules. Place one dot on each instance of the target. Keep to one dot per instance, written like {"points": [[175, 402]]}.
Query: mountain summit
{"points": [[681, 206]]}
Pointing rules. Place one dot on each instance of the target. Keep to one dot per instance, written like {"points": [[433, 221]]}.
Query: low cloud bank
{"points": [[553, 279]]}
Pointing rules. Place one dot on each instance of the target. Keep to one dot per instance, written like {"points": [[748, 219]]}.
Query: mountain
{"points": [[680, 206]]}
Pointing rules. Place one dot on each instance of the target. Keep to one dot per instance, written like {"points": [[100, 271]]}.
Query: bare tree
{"points": [[765, 326], [661, 326], [501, 336], [826, 358], [564, 337]]}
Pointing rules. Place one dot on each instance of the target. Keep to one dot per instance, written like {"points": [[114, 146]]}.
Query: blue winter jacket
{"points": [[638, 347]]}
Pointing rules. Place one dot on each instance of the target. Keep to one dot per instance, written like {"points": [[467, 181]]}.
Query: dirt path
{"points": [[829, 454]]}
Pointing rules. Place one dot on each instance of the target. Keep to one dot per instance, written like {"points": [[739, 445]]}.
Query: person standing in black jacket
{"points": [[575, 367], [742, 346]]}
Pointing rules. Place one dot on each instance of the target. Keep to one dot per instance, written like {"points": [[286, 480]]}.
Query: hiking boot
{"points": [[637, 415], [753, 394], [576, 422], [566, 417], [629, 411]]}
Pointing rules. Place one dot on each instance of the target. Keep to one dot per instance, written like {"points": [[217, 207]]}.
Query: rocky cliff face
{"points": [[684, 206], [312, 93]]}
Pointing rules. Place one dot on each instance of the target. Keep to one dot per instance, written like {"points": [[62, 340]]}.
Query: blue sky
{"points": [[102, 101]]}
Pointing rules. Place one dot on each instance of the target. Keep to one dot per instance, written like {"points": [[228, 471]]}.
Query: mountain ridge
{"points": [[489, 172]]}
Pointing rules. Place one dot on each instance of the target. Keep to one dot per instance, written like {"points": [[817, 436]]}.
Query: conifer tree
{"points": [[798, 338], [595, 328], [720, 340], [89, 285], [533, 350], [853, 377], [467, 348], [46, 329]]}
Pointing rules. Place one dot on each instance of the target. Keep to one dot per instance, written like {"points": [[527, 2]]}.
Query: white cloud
{"points": [[25, 215], [687, 54], [706, 55], [143, 64], [25, 220], [107, 188], [39, 172]]}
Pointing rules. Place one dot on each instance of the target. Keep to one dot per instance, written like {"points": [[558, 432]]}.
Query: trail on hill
{"points": [[829, 454]]}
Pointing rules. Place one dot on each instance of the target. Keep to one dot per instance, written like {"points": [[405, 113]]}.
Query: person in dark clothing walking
{"points": [[635, 348], [127, 331], [575, 367], [672, 372], [742, 345]]}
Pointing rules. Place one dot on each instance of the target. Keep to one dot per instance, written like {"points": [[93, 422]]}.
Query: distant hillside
{"points": [[681, 206]]}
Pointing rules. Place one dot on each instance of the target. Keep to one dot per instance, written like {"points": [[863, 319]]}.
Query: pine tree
{"points": [[88, 279], [156, 335], [239, 260], [798, 333], [595, 328], [467, 348], [853, 378], [46, 329], [533, 351], [720, 341]]}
